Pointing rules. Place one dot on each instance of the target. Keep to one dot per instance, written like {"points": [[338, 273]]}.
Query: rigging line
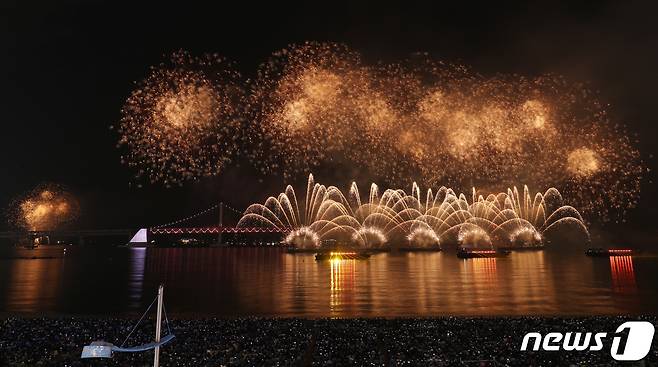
{"points": [[140, 320], [188, 217], [198, 214], [164, 309], [233, 209]]}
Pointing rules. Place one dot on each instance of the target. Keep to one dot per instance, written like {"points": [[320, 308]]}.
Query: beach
{"points": [[254, 341]]}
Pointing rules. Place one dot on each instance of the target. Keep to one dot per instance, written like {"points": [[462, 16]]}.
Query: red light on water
{"points": [[623, 274]]}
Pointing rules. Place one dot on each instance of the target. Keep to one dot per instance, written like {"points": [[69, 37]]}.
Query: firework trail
{"points": [[514, 218]]}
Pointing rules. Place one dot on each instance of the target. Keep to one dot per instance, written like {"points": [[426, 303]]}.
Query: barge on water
{"points": [[349, 255], [464, 253], [601, 252]]}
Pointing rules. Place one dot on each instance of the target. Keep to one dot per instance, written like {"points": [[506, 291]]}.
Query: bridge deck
{"points": [[216, 230]]}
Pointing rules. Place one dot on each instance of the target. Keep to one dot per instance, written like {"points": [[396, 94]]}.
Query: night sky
{"points": [[68, 68]]}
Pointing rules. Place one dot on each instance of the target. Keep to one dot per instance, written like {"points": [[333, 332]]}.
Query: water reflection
{"points": [[136, 277], [485, 269], [622, 273], [531, 283], [418, 274], [34, 285], [342, 282], [271, 282]]}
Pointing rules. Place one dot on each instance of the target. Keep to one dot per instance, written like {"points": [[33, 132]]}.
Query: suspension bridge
{"points": [[177, 227]]}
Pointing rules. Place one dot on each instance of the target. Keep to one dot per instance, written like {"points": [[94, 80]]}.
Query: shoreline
{"points": [[192, 316], [248, 341]]}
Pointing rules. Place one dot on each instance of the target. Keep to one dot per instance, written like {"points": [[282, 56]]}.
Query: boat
{"points": [[601, 252], [352, 255], [464, 253], [102, 349], [28, 243]]}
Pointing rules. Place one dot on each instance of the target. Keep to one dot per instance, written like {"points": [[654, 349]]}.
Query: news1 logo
{"points": [[636, 346]]}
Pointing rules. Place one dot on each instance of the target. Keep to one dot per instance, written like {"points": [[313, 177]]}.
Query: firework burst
{"points": [[181, 122], [319, 105], [423, 237], [45, 208], [441, 123], [299, 103]]}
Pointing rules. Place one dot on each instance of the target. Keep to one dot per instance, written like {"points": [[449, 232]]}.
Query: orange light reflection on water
{"points": [[483, 269], [342, 280], [622, 273], [486, 267]]}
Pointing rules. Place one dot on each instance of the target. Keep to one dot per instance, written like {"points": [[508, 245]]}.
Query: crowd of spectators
{"points": [[445, 341]]}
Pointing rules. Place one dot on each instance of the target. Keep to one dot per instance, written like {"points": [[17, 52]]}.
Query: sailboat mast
{"points": [[158, 324]]}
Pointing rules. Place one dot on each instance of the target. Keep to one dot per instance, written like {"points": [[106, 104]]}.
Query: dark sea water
{"points": [[271, 282]]}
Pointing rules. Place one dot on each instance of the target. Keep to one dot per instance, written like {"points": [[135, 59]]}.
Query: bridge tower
{"points": [[221, 222]]}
